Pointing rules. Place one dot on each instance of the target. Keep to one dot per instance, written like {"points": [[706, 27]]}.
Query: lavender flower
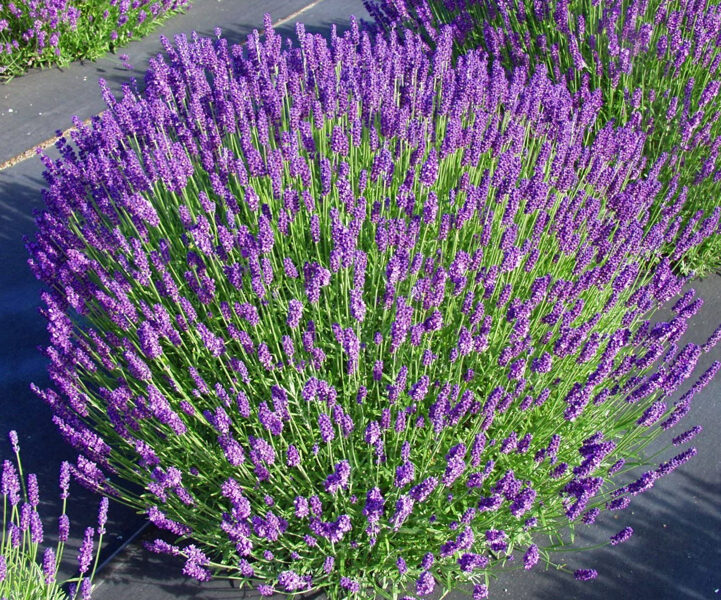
{"points": [[424, 489], [292, 456], [425, 584], [621, 536], [687, 436], [374, 506], [404, 474], [49, 566], [530, 558], [327, 432], [585, 574], [63, 528], [339, 478], [86, 550], [404, 507], [349, 584], [295, 311]]}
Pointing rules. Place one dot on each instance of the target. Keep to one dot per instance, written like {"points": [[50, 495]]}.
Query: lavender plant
{"points": [[24, 575], [43, 33], [653, 60], [352, 328]]}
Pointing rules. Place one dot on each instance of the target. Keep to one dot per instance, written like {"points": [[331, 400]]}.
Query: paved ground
{"points": [[676, 552]]}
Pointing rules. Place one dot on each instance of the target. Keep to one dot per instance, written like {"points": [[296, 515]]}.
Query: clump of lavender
{"points": [[26, 571], [44, 33], [353, 301], [653, 62]]}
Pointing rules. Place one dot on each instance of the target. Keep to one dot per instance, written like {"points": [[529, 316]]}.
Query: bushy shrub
{"points": [[654, 60], [24, 575], [39, 33], [356, 319]]}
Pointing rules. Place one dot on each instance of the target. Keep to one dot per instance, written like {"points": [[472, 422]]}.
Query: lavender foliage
{"points": [[267, 412], [653, 63], [56, 32], [26, 569]]}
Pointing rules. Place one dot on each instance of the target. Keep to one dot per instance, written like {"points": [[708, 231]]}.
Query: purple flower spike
{"points": [[425, 584], [429, 171], [530, 558], [328, 564], [295, 312], [339, 479], [292, 456], [687, 436], [85, 589], [63, 528], [10, 483], [48, 566], [85, 555], [402, 567], [585, 574], [349, 584], [327, 432], [404, 474], [32, 490], [374, 506], [102, 515], [64, 480], [13, 436], [621, 536], [404, 507], [291, 581]]}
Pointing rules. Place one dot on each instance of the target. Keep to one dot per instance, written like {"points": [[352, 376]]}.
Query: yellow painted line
{"points": [[30, 152], [296, 13]]}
